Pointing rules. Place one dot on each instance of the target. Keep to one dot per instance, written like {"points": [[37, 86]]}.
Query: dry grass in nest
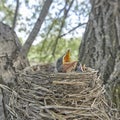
{"points": [[60, 96]]}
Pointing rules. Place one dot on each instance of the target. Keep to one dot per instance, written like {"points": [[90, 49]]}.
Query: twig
{"points": [[15, 16], [64, 107], [44, 41], [62, 24], [51, 27], [81, 24], [68, 83]]}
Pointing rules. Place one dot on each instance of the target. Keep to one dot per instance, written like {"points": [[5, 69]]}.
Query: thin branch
{"points": [[15, 16], [35, 30], [79, 25], [51, 27], [62, 25], [45, 40]]}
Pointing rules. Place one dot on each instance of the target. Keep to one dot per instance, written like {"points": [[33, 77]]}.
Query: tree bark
{"points": [[10, 48], [100, 47], [101, 43]]}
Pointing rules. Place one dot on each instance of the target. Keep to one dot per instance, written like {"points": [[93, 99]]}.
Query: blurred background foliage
{"points": [[36, 53], [62, 29]]}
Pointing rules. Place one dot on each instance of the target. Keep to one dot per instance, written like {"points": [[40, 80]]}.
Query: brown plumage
{"points": [[64, 63], [70, 66]]}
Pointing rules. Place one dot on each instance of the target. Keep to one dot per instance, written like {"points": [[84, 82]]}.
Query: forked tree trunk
{"points": [[13, 56], [100, 47]]}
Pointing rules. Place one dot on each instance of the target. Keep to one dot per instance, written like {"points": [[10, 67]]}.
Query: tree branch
{"points": [[15, 16], [45, 40], [62, 24], [81, 24], [36, 28]]}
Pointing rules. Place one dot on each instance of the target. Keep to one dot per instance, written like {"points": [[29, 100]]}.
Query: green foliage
{"points": [[7, 11], [43, 55], [116, 94], [58, 22], [29, 11]]}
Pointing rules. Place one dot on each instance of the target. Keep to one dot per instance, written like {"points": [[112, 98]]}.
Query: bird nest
{"points": [[40, 95]]}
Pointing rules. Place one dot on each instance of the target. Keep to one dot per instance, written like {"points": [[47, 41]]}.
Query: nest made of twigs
{"points": [[60, 96]]}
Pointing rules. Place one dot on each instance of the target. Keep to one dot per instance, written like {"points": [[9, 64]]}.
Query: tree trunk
{"points": [[9, 51], [100, 47]]}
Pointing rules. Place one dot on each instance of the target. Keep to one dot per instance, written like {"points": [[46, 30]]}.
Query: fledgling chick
{"points": [[63, 60], [59, 64], [79, 68]]}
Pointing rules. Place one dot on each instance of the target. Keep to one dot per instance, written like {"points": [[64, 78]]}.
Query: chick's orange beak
{"points": [[66, 57]]}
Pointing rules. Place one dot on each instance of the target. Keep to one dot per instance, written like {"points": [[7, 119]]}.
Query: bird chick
{"points": [[79, 67], [60, 64]]}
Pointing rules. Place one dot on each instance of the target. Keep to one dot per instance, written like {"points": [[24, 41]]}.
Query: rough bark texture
{"points": [[100, 47], [101, 43], [9, 51]]}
